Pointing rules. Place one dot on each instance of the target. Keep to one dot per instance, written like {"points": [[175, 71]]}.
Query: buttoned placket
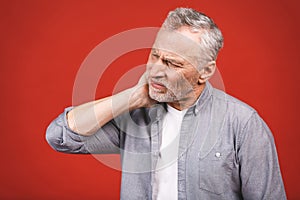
{"points": [[187, 134], [156, 134]]}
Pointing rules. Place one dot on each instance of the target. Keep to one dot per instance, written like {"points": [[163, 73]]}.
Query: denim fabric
{"points": [[226, 151]]}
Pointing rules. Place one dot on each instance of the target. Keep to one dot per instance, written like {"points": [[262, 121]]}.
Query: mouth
{"points": [[157, 85]]}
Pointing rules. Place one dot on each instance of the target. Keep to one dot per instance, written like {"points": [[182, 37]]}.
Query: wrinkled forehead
{"points": [[178, 43]]}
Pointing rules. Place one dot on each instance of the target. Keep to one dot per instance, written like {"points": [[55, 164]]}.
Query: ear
{"points": [[207, 71]]}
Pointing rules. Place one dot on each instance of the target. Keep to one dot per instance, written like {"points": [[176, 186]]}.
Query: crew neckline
{"points": [[175, 111]]}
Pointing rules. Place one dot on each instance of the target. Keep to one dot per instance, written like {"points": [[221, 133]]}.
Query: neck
{"points": [[189, 100]]}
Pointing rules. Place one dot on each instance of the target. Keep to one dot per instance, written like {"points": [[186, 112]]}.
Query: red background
{"points": [[43, 44]]}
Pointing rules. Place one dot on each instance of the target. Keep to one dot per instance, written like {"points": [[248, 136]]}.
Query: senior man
{"points": [[179, 138]]}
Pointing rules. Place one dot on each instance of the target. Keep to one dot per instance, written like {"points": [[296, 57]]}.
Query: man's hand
{"points": [[141, 93]]}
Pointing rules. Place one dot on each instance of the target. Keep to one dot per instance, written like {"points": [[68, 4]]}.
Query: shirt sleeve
{"points": [[259, 167], [61, 138]]}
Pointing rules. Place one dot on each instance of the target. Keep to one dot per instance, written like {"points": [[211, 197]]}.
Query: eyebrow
{"points": [[170, 59], [153, 50]]}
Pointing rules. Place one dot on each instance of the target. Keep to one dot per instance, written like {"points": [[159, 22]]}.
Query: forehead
{"points": [[181, 43]]}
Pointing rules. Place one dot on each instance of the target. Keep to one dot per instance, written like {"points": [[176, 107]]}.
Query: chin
{"points": [[161, 97]]}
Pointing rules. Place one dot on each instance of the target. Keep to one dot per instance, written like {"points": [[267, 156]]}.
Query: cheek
{"points": [[192, 76], [173, 76], [177, 79], [188, 79], [148, 65]]}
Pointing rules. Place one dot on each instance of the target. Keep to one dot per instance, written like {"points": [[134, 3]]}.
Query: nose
{"points": [[156, 69]]}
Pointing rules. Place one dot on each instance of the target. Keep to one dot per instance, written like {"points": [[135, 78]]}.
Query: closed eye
{"points": [[154, 55], [172, 64]]}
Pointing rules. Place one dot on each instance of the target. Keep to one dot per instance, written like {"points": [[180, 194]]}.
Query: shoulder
{"points": [[140, 117], [244, 119], [231, 101], [237, 113]]}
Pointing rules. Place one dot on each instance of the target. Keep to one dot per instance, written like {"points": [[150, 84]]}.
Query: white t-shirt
{"points": [[166, 174]]}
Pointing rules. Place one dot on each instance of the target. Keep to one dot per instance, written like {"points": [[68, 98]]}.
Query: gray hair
{"points": [[211, 39]]}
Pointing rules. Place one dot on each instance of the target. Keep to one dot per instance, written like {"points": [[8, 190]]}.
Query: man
{"points": [[179, 138]]}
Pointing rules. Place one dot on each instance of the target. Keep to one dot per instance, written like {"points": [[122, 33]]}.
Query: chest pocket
{"points": [[216, 170]]}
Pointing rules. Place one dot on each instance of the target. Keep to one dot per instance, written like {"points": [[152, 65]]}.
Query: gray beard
{"points": [[172, 94], [169, 96]]}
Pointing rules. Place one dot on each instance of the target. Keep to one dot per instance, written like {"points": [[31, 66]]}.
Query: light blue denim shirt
{"points": [[226, 151]]}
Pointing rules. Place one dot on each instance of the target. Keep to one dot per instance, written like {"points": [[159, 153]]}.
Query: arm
{"points": [[259, 166], [87, 118], [61, 138], [90, 128]]}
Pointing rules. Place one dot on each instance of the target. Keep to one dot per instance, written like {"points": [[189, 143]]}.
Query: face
{"points": [[172, 67]]}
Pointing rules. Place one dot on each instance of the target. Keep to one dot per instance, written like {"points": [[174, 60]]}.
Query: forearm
{"points": [[87, 118], [62, 139]]}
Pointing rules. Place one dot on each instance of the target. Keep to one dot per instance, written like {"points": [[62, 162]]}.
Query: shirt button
{"points": [[218, 154]]}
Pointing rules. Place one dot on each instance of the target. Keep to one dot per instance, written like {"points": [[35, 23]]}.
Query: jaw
{"points": [[179, 101], [188, 99]]}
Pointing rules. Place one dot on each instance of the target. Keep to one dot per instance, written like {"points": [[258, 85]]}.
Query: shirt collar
{"points": [[204, 96]]}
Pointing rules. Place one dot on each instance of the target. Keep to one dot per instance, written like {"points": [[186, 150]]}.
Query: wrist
{"points": [[137, 98]]}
